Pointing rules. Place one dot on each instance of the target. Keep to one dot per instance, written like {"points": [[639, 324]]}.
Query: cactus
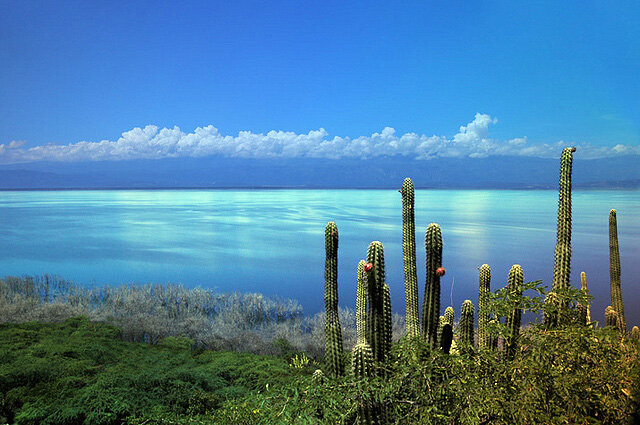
{"points": [[386, 320], [493, 338], [584, 310], [318, 377], [614, 272], [431, 303], [516, 280], [611, 317], [449, 315], [378, 332], [441, 323], [409, 258], [635, 333], [466, 323], [332, 329], [362, 360], [446, 338], [483, 314], [361, 303], [552, 304], [562, 255]]}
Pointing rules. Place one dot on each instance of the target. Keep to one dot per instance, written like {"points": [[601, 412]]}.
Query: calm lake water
{"points": [[272, 241]]}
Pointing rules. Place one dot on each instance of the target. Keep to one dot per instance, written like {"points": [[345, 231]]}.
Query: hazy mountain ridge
{"points": [[216, 172]]}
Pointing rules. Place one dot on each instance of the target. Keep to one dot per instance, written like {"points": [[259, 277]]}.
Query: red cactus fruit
{"points": [[368, 266], [440, 271]]}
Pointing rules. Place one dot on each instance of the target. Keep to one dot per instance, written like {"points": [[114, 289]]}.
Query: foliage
{"points": [[79, 372]]}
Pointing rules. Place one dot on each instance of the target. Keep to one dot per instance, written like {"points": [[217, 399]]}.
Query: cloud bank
{"points": [[151, 142]]}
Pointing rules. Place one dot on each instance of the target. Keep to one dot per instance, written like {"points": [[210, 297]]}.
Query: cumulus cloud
{"points": [[151, 142]]}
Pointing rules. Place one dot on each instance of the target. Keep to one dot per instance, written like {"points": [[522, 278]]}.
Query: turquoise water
{"points": [[272, 241]]}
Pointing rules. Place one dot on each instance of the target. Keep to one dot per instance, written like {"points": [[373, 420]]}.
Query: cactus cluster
{"points": [[431, 303], [514, 287], [409, 258], [562, 255], [614, 272], [332, 329]]}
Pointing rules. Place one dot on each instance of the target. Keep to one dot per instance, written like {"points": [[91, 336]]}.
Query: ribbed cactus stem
{"points": [[583, 307], [431, 303], [446, 338], [387, 320], [610, 317], [409, 258], [483, 299], [376, 333], [441, 324], [635, 333], [614, 271], [449, 315], [333, 331], [515, 285], [562, 255], [318, 376], [466, 323], [361, 303], [362, 360]]}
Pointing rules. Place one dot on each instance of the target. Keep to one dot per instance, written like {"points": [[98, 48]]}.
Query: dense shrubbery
{"points": [[80, 372], [575, 375]]}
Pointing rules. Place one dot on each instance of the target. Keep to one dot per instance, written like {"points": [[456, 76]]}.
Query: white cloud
{"points": [[151, 142]]}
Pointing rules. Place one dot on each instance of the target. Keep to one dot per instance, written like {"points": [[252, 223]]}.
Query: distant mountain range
{"points": [[216, 172]]}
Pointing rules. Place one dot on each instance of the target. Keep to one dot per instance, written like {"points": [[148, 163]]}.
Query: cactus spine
{"points": [[516, 280], [332, 329], [449, 315], [635, 333], [466, 323], [409, 258], [361, 356], [610, 317], [583, 307], [614, 272], [562, 255], [378, 328], [431, 303], [483, 314]]}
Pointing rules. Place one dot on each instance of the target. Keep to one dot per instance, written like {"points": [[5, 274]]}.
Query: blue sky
{"points": [[156, 79]]}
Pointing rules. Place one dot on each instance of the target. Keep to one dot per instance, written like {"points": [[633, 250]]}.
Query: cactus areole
{"points": [[440, 271]]}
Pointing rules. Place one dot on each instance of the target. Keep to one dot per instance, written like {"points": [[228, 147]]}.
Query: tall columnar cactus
{"points": [[635, 333], [377, 332], [515, 285], [362, 355], [483, 299], [582, 310], [431, 303], [441, 324], [466, 323], [562, 255], [614, 271], [610, 317], [332, 329], [409, 257], [449, 315], [386, 319]]}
